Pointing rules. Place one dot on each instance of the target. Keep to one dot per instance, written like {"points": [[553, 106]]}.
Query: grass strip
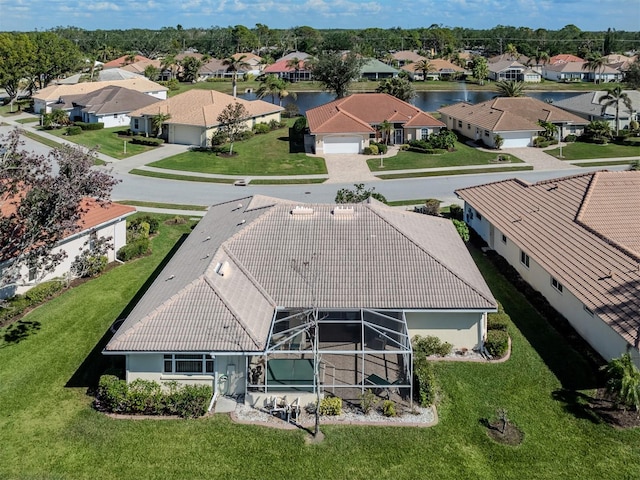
{"points": [[441, 173], [171, 206], [28, 120], [45, 141], [604, 164], [185, 178], [285, 181]]}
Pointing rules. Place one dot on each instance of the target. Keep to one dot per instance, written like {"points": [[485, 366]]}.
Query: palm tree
{"points": [[274, 86], [233, 65], [169, 63], [295, 64], [612, 99], [158, 120], [425, 67], [385, 129], [512, 51], [623, 380], [510, 88], [595, 65]]}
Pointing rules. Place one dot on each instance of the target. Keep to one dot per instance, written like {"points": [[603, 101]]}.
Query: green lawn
{"points": [[172, 206], [442, 173], [107, 140], [184, 178], [464, 155], [49, 429], [28, 120], [266, 154], [584, 151]]}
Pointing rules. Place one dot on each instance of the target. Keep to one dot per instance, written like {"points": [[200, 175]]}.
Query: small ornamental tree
{"points": [[47, 205], [359, 194], [232, 122]]}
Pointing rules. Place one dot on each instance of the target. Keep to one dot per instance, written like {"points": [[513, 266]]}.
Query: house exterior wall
{"points": [[73, 246], [606, 341], [460, 329], [112, 120]]}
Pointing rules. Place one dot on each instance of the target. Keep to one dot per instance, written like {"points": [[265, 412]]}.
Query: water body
{"points": [[426, 101]]}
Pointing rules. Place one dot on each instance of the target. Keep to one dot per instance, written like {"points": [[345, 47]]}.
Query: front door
{"points": [[398, 137]]}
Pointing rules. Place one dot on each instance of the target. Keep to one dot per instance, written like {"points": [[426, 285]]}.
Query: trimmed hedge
{"points": [[331, 406], [498, 321], [497, 343], [74, 130], [89, 126], [153, 223], [148, 141], [260, 128], [370, 150], [430, 345], [428, 151], [38, 294], [424, 383], [146, 397], [135, 249]]}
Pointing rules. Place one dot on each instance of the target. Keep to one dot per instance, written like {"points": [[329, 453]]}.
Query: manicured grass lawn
{"points": [[464, 155], [184, 178], [49, 429], [441, 173], [28, 120], [604, 163], [173, 206], [50, 143], [107, 140], [584, 151], [266, 154]]}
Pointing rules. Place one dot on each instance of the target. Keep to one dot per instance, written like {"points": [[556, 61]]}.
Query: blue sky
{"points": [[589, 15]]}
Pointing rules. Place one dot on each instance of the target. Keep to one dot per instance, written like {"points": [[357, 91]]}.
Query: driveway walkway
{"points": [[537, 158]]}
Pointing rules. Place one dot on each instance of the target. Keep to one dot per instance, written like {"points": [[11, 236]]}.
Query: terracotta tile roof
{"points": [[580, 229], [503, 114], [372, 256], [445, 66], [122, 61], [407, 55], [140, 66], [139, 84], [577, 67], [564, 58], [202, 107], [358, 112], [282, 66]]}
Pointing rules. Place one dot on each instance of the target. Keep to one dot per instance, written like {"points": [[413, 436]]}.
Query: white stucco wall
{"points": [[460, 329]]}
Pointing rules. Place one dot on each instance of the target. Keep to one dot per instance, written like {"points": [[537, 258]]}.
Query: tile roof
{"points": [[373, 65], [407, 55], [282, 66], [505, 65], [140, 66], [110, 100], [564, 58], [202, 107], [358, 112], [139, 84], [122, 61], [275, 253], [579, 229], [577, 67], [507, 56], [503, 114]]}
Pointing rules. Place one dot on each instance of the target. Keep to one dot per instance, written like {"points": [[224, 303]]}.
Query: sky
{"points": [[587, 15]]}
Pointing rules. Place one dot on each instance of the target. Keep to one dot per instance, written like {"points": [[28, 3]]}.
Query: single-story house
{"points": [[214, 68], [260, 281], [577, 72], [565, 58], [405, 57], [47, 98], [440, 69], [374, 69], [124, 60], [254, 62], [515, 119], [109, 105], [347, 125], [194, 116], [140, 66], [97, 222], [508, 70], [284, 68], [588, 105], [509, 57], [571, 239]]}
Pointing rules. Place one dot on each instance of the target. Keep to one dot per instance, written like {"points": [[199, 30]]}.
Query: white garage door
{"points": [[185, 135], [342, 145]]}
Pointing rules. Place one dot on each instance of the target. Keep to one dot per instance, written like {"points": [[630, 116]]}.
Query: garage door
{"points": [[185, 135], [342, 144]]}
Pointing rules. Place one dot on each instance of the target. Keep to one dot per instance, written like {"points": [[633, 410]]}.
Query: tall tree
{"points": [[480, 69], [151, 72], [335, 71], [235, 64], [398, 87], [48, 204], [510, 88], [274, 86], [54, 56], [613, 98], [190, 67], [170, 63], [595, 65], [17, 55], [632, 76], [232, 122], [424, 66], [295, 64]]}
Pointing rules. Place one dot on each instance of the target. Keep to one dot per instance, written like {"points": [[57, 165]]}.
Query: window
{"points": [[188, 363], [524, 259], [556, 284], [468, 126], [459, 123], [504, 239], [136, 124], [486, 133], [479, 216], [425, 134]]}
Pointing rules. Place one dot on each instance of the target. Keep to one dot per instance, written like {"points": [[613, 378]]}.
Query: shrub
{"points": [[424, 382], [370, 150], [43, 291], [497, 343], [177, 220], [462, 229], [260, 128], [291, 110], [13, 307], [74, 130], [89, 126], [112, 394], [570, 138], [300, 125], [172, 84], [275, 124], [455, 212], [431, 207], [498, 321], [135, 249], [382, 147], [190, 401], [153, 223], [145, 397], [331, 406], [368, 401], [430, 345], [89, 265], [148, 141], [389, 408]]}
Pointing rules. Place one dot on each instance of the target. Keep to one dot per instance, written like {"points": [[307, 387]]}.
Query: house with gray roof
{"points": [[374, 69], [588, 106], [571, 239], [509, 70], [262, 285]]}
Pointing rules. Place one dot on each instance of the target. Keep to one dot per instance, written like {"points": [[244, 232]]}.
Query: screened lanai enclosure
{"points": [[342, 353]]}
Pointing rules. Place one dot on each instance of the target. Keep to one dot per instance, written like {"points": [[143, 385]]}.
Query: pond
{"points": [[426, 101]]}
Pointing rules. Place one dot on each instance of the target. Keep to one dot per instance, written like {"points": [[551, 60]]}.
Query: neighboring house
{"points": [[374, 69], [122, 61], [565, 58], [234, 307], [577, 72], [98, 221], [347, 125], [252, 60], [440, 70], [140, 66], [576, 241], [405, 57], [515, 119], [194, 116], [507, 57], [284, 69], [588, 106], [508, 70], [110, 105], [214, 68], [48, 97]]}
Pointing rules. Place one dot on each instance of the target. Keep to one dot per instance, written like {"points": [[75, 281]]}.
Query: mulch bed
{"points": [[609, 412], [511, 435]]}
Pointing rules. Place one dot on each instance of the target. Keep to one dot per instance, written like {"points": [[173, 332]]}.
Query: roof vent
{"points": [[222, 269], [300, 210], [342, 210]]}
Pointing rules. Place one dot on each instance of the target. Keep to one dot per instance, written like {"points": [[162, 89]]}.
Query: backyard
{"points": [[108, 140], [50, 429], [264, 154]]}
